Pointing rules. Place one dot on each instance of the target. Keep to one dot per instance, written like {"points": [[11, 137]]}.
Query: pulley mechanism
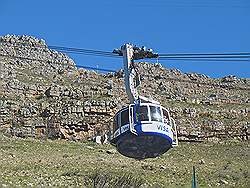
{"points": [[138, 53]]}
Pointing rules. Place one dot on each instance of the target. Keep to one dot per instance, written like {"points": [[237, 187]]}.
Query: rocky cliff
{"points": [[44, 95]]}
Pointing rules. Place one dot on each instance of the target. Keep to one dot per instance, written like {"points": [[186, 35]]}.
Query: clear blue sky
{"points": [[167, 26]]}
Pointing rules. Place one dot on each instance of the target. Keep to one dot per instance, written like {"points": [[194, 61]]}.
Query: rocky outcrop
{"points": [[44, 95]]}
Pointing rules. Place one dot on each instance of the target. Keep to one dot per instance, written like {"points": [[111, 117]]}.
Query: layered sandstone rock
{"points": [[44, 95]]}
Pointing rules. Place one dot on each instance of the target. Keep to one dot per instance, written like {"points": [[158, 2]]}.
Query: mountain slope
{"points": [[43, 94]]}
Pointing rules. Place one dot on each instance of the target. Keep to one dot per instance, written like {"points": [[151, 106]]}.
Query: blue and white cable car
{"points": [[144, 129]]}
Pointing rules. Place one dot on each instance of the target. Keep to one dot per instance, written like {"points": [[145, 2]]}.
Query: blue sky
{"points": [[167, 26]]}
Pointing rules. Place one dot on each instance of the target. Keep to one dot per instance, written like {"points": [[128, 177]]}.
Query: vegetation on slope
{"points": [[59, 163]]}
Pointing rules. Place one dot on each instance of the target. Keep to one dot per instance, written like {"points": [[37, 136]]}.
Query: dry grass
{"points": [[32, 163]]}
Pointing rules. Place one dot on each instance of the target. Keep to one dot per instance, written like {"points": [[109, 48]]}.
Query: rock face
{"points": [[44, 95]]}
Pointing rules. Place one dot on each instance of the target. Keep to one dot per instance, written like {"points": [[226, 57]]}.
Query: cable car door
{"points": [[131, 120], [173, 127]]}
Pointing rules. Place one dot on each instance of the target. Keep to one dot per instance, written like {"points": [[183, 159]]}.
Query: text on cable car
{"points": [[162, 128]]}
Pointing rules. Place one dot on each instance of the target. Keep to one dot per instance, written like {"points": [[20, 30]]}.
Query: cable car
{"points": [[144, 129]]}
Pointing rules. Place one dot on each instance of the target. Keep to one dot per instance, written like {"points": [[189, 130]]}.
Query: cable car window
{"points": [[165, 116], [143, 114], [115, 123], [155, 113], [124, 117]]}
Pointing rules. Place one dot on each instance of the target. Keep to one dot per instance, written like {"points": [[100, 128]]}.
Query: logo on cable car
{"points": [[162, 128]]}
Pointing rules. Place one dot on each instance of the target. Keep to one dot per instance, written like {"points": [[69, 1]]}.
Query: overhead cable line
{"points": [[68, 50], [109, 70], [79, 50], [211, 60], [87, 53], [241, 56], [205, 54], [202, 57], [62, 64], [233, 56]]}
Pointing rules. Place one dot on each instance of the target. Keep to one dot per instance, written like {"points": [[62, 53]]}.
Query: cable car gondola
{"points": [[144, 129]]}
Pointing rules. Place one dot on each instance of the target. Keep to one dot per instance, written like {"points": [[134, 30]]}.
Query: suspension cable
{"points": [[109, 70]]}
